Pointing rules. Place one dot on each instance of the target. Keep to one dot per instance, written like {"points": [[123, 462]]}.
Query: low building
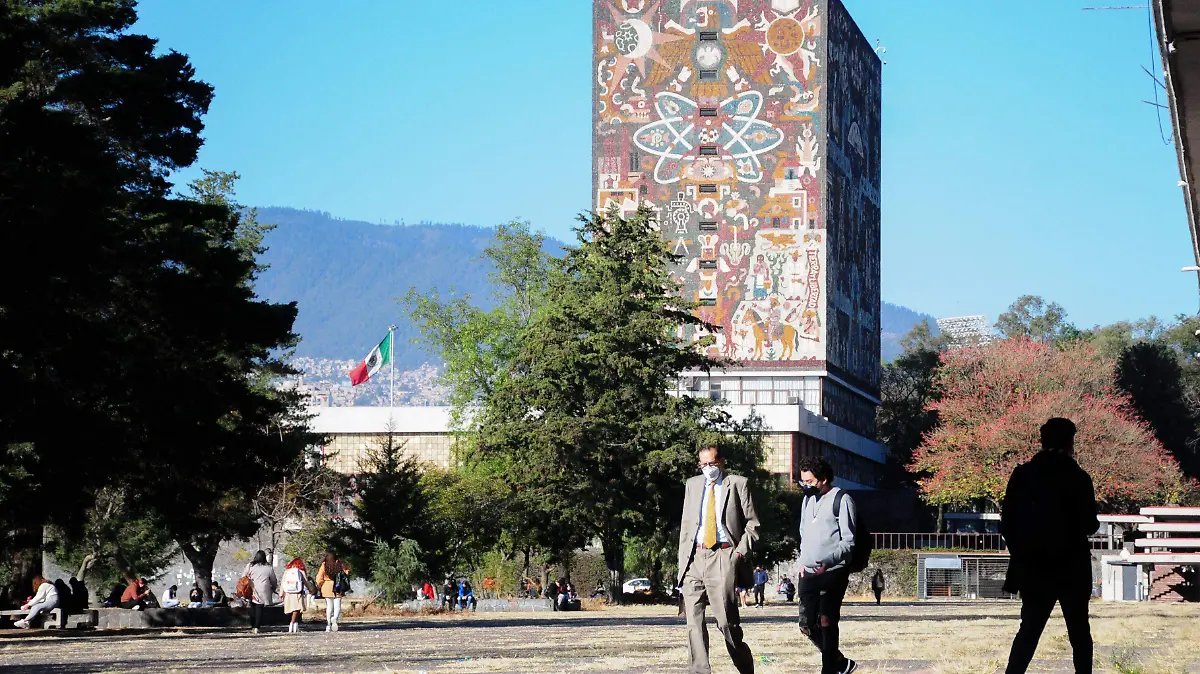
{"points": [[792, 432]]}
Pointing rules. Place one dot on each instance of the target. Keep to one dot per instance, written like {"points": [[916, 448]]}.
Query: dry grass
{"points": [[896, 637]]}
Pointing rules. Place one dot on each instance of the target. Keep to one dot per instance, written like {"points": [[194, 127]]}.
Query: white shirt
{"points": [[719, 489], [45, 592]]}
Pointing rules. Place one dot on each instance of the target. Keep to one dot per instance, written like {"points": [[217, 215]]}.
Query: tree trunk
{"points": [[24, 552], [614, 561], [941, 520], [202, 557]]}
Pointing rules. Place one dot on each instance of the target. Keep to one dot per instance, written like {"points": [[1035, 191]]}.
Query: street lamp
{"points": [[1195, 269]]}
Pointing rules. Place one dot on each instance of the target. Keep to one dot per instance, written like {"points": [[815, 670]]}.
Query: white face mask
{"points": [[712, 473]]}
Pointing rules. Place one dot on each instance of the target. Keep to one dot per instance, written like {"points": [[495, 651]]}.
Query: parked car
{"points": [[636, 586]]}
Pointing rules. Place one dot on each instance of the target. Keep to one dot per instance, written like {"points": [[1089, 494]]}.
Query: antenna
{"points": [[880, 49]]}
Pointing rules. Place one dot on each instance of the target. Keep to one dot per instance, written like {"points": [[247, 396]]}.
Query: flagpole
{"points": [[392, 363]]}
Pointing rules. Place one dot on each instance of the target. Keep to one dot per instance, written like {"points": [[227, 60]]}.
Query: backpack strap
{"points": [[837, 503]]}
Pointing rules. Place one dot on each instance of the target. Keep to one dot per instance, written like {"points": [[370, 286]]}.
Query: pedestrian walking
{"points": [[333, 577], [877, 586], [295, 592], [719, 527], [264, 584], [760, 585], [828, 520], [1048, 512]]}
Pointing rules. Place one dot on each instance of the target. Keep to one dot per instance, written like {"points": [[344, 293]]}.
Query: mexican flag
{"points": [[381, 355]]}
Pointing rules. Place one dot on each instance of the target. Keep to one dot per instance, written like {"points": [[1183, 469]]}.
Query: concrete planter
{"points": [[114, 618]]}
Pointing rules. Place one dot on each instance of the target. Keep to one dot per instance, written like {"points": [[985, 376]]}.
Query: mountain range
{"points": [[347, 277]]}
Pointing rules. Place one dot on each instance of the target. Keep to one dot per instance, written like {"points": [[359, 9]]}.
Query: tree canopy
{"points": [[993, 400]]}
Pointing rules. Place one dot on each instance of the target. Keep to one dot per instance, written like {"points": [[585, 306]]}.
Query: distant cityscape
{"points": [[327, 383]]}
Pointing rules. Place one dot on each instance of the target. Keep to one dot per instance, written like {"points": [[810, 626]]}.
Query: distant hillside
{"points": [[346, 276], [895, 321]]}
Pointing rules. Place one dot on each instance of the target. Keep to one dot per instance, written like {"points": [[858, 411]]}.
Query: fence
{"points": [[916, 541], [962, 577]]}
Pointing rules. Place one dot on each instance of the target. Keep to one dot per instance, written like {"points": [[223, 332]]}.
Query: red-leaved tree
{"points": [[996, 397]]}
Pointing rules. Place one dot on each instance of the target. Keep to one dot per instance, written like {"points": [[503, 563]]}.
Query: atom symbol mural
{"points": [[674, 138]]}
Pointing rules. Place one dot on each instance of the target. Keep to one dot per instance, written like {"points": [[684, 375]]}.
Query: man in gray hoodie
{"points": [[827, 524]]}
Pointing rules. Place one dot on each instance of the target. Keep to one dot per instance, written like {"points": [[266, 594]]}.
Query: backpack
{"points": [[292, 581], [341, 581], [864, 542]]}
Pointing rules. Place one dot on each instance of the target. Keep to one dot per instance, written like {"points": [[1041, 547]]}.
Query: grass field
{"points": [[896, 637]]}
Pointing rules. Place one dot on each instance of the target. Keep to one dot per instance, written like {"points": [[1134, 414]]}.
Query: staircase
{"points": [[1166, 581]]}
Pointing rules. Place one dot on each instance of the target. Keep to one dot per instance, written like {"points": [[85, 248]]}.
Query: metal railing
{"points": [[964, 541], [960, 541]]}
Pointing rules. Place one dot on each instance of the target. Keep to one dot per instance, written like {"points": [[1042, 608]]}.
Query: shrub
{"points": [[395, 569]]}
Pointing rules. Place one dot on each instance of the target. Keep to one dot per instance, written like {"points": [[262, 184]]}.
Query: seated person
{"points": [[449, 595], [171, 597], [45, 598], [466, 595], [218, 595], [598, 591], [196, 596], [135, 595], [114, 597], [562, 593]]}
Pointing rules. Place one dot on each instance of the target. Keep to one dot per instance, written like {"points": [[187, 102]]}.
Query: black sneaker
{"points": [[850, 667]]}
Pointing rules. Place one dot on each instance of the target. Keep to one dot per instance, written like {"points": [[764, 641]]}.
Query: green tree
{"points": [[581, 416], [1152, 376], [115, 543], [389, 503], [906, 390], [396, 568], [475, 344], [1032, 317]]}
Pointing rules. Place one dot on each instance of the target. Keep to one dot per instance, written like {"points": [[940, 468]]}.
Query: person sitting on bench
{"points": [[171, 597], [136, 595], [45, 598], [466, 595], [218, 595], [196, 596]]}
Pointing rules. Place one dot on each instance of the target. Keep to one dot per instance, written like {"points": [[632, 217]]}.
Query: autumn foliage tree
{"points": [[994, 399]]}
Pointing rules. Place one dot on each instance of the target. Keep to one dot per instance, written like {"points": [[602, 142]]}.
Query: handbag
{"points": [[245, 588], [341, 582]]}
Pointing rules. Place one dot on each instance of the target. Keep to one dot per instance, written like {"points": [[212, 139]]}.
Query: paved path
{"points": [[895, 637]]}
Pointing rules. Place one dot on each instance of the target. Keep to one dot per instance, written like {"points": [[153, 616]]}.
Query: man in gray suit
{"points": [[718, 531]]}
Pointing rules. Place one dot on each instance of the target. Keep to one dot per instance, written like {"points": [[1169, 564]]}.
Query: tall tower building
{"points": [[752, 129]]}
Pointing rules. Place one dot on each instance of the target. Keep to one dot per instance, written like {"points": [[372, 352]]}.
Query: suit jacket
{"points": [[737, 515], [1049, 510]]}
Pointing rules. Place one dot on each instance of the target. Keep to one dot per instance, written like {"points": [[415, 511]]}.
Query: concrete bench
{"points": [[54, 618]]}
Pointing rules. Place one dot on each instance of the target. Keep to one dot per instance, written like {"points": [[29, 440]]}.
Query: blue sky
{"points": [[1018, 154]]}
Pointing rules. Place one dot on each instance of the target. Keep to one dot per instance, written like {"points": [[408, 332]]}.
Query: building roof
{"points": [[431, 419], [1178, 23], [341, 420]]}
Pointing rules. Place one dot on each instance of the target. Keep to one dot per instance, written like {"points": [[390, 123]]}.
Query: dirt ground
{"points": [[937, 638]]}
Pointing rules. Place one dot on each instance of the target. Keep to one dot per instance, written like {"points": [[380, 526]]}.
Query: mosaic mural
{"points": [[714, 114]]}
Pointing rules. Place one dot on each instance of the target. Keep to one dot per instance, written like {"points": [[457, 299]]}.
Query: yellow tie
{"points": [[710, 518]]}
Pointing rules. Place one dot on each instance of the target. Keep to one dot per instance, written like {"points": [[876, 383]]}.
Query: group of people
{"points": [[195, 596], [1048, 512], [562, 594], [258, 587], [458, 595]]}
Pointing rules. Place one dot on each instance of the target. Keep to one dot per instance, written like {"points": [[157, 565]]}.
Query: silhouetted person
{"points": [[1049, 511], [877, 586]]}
